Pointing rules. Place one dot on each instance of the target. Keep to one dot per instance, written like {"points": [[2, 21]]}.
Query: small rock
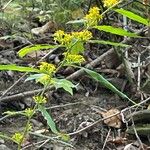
{"points": [[36, 123], [58, 147], [2, 141], [4, 147]]}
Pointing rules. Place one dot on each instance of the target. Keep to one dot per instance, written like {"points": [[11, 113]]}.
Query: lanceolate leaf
{"points": [[48, 118], [108, 43], [132, 16], [96, 76], [18, 68], [32, 48], [117, 31]]}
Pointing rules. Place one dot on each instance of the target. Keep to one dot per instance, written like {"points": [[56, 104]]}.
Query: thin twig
{"points": [[91, 125], [71, 77], [106, 139], [7, 5], [100, 120], [136, 134], [55, 139], [65, 105], [13, 85], [46, 141], [33, 144], [139, 72], [6, 91]]}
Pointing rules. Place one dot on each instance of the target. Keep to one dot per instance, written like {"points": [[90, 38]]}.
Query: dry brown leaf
{"points": [[117, 140], [36, 54], [49, 26], [145, 2], [114, 121], [41, 131], [148, 106]]}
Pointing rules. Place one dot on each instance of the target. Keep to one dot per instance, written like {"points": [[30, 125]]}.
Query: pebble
{"points": [[4, 147], [2, 141]]}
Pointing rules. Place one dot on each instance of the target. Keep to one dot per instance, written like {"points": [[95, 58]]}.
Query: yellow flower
{"points": [[74, 59], [93, 17], [58, 36], [40, 99], [62, 37], [17, 137], [47, 68], [94, 10], [67, 39], [109, 3], [29, 112], [83, 35]]}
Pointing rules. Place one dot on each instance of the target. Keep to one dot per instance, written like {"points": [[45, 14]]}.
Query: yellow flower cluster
{"points": [[40, 99], [74, 59], [65, 39], [17, 137], [93, 17], [83, 35], [47, 68], [109, 3], [29, 112], [62, 37]]}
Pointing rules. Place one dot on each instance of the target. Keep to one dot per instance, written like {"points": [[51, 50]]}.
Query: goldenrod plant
{"points": [[73, 43], [110, 3]]}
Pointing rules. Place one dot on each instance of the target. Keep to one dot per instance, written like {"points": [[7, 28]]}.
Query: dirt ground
{"points": [[81, 116], [71, 114]]}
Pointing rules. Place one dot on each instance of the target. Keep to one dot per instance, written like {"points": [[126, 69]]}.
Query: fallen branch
{"points": [[6, 91], [102, 119], [71, 77], [76, 74]]}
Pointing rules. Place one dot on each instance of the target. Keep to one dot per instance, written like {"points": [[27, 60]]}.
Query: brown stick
{"points": [[71, 77], [102, 119]]}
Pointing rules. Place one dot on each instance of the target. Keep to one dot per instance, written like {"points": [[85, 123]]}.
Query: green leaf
{"points": [[114, 30], [48, 118], [96, 76], [34, 77], [108, 43], [132, 16], [18, 68], [31, 48], [40, 78], [77, 48], [65, 84]]}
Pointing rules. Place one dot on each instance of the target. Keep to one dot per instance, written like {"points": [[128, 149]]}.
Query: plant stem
{"points": [[27, 127], [68, 51]]}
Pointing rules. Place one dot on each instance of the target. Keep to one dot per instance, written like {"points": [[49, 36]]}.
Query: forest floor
{"points": [[81, 115]]}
